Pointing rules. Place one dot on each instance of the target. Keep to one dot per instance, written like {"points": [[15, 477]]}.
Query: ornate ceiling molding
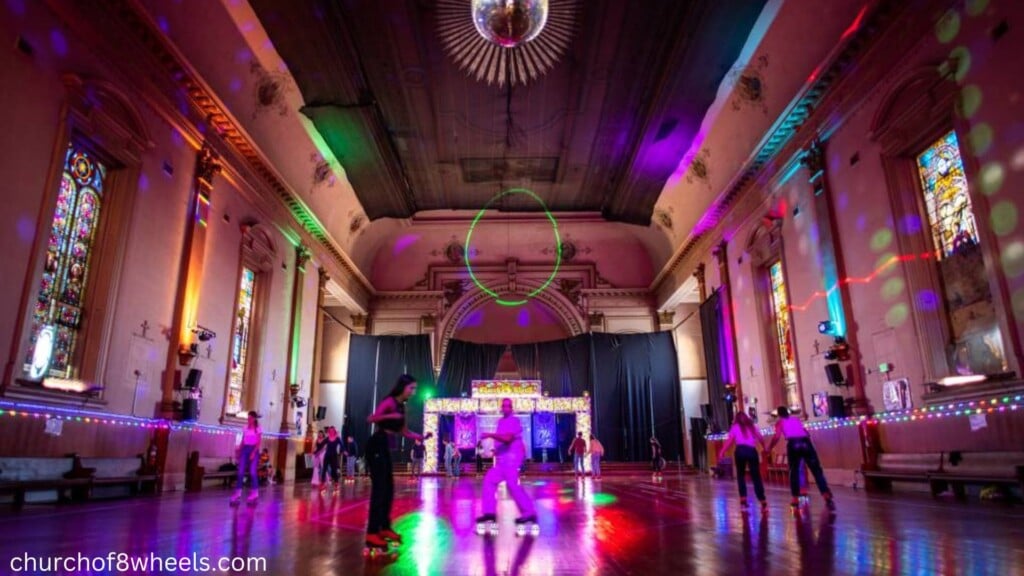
{"points": [[131, 17], [801, 124]]}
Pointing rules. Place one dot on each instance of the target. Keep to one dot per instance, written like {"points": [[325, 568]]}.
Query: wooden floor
{"points": [[620, 525]]}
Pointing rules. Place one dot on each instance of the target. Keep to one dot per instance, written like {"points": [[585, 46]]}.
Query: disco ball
{"points": [[509, 23]]}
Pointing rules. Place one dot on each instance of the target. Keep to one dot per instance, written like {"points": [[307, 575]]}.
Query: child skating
{"points": [[248, 456], [509, 453]]}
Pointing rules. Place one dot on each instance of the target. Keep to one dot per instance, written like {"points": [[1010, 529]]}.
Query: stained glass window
{"points": [[241, 340], [61, 295], [945, 194], [784, 337]]}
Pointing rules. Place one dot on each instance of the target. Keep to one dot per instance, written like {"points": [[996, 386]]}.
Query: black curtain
{"points": [[636, 394], [525, 356], [360, 386], [465, 362], [711, 330], [375, 363]]}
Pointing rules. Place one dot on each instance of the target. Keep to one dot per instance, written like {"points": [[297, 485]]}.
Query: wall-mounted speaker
{"points": [[190, 410], [192, 381], [321, 413], [836, 407], [834, 373]]}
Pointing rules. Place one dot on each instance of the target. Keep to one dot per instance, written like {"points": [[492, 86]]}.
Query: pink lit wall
{"points": [[495, 324], [31, 114]]}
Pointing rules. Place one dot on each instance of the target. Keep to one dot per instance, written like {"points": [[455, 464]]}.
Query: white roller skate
{"points": [[487, 525], [527, 526]]}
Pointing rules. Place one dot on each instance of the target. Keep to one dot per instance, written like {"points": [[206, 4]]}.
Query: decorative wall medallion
{"points": [[699, 170], [271, 88], [570, 249], [665, 318], [453, 290], [750, 85], [455, 252], [663, 218], [570, 288], [359, 320], [357, 222], [322, 172]]}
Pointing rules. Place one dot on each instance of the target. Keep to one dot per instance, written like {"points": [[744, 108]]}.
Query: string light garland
{"points": [[558, 253], [972, 408], [39, 411]]}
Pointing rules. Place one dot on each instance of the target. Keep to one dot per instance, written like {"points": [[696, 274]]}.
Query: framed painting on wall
{"points": [[896, 395], [819, 404]]}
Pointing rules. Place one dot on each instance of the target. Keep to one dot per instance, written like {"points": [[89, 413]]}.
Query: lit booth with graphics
{"points": [[480, 413]]}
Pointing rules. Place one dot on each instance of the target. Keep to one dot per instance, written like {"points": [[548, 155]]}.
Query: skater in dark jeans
{"points": [[390, 420], [745, 435], [248, 455], [655, 455], [799, 451], [332, 455]]}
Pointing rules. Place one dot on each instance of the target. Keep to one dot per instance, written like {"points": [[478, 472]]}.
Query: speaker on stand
{"points": [[836, 407], [190, 409]]}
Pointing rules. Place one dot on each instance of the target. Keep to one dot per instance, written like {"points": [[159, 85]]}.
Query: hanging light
{"points": [[509, 23]]}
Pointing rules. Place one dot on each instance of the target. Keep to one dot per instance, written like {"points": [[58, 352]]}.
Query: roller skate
{"points": [[797, 505], [527, 526], [764, 506], [487, 525], [253, 499], [830, 503], [236, 498], [391, 536], [744, 506], [377, 547]]}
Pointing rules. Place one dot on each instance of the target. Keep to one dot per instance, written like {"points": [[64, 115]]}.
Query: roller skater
{"points": [[509, 453], [745, 435], [390, 420], [248, 456], [657, 462], [799, 451]]}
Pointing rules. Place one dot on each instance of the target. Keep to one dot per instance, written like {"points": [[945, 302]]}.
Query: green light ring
{"points": [[558, 253]]}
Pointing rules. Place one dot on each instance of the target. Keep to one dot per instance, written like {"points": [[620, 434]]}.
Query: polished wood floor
{"points": [[619, 525]]}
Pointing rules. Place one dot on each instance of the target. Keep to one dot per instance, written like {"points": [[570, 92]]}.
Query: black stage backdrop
{"points": [[375, 363], [632, 379], [465, 362], [711, 329]]}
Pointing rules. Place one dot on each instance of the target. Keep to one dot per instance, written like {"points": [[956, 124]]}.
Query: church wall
{"points": [[31, 110]]}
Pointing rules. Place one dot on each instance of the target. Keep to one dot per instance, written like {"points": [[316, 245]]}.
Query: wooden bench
{"points": [[59, 478], [901, 467], [960, 469], [112, 477], [199, 469]]}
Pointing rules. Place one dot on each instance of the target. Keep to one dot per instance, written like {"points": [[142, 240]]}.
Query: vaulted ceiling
{"points": [[603, 130]]}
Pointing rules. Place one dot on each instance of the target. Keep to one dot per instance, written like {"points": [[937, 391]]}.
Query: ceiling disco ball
{"points": [[509, 23]]}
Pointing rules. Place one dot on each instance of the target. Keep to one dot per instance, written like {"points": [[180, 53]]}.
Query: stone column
{"points": [[181, 346], [318, 351], [732, 377], [291, 367]]}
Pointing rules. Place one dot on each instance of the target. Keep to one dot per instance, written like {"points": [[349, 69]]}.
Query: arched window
{"points": [[254, 275], [959, 316], [86, 212]]}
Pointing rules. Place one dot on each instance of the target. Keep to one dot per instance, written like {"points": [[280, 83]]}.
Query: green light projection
{"points": [[558, 254]]}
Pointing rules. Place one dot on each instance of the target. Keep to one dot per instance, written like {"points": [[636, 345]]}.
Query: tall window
{"points": [[241, 340], [783, 333], [978, 343], [945, 193], [57, 312]]}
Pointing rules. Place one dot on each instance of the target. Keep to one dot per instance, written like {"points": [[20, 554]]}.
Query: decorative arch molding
{"points": [[258, 246], [571, 318], [911, 108], [101, 111]]}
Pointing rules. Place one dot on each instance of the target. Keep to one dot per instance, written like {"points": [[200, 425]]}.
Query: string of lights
{"points": [[39, 411], [971, 408]]}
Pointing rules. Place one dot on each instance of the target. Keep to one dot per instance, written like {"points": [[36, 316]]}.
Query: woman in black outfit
{"points": [[390, 420]]}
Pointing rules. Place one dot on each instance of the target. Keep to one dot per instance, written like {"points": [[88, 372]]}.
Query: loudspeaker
{"points": [[190, 409], [836, 407], [192, 381], [321, 413], [835, 375], [706, 412]]}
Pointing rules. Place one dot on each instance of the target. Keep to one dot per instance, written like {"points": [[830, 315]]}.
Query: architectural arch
{"points": [[568, 314]]}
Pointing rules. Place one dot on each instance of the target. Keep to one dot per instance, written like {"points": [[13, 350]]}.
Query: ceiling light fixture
{"points": [[506, 41]]}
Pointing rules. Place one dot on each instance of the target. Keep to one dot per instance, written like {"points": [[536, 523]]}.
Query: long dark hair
{"points": [[745, 423], [403, 381]]}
